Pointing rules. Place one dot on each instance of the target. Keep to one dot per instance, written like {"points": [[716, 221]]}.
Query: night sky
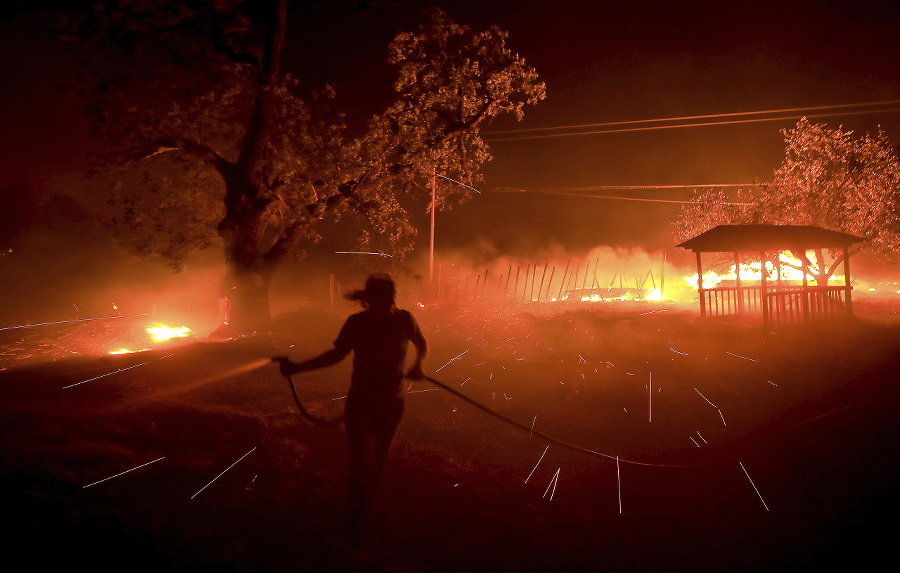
{"points": [[601, 63]]}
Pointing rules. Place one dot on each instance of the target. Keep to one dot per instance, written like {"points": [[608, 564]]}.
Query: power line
{"points": [[693, 117], [609, 197], [608, 187], [684, 125]]}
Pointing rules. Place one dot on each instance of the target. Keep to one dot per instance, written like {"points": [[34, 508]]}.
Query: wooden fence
{"points": [[539, 283]]}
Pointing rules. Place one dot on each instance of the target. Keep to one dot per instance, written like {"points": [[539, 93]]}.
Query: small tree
{"points": [[828, 178], [214, 141]]}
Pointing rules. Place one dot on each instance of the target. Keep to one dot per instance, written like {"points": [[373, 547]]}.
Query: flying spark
{"points": [[754, 486], [537, 464], [363, 253], [653, 311], [451, 360], [619, 482], [223, 473], [104, 375], [705, 398], [553, 483], [68, 321], [744, 357], [459, 183], [713, 405], [123, 473]]}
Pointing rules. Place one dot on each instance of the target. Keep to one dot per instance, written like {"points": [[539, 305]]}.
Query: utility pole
{"points": [[433, 204]]}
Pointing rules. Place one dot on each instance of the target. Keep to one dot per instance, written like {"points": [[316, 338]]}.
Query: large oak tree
{"points": [[209, 138]]}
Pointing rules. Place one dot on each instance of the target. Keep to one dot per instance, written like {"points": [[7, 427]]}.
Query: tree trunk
{"points": [[245, 286], [821, 269], [246, 294]]}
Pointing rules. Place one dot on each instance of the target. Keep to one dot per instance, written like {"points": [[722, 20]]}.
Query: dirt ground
{"points": [[711, 446]]}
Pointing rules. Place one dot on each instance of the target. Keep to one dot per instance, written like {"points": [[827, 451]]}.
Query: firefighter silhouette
{"points": [[378, 337]]}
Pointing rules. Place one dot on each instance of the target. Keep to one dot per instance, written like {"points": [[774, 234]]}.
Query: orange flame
{"points": [[161, 333], [790, 271]]}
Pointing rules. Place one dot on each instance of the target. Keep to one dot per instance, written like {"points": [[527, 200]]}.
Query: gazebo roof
{"points": [[739, 238]]}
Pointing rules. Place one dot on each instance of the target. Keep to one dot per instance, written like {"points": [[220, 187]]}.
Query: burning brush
{"points": [[159, 334]]}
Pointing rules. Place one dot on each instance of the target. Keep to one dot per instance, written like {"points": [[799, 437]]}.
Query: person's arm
{"points": [[421, 346], [327, 358], [342, 347]]}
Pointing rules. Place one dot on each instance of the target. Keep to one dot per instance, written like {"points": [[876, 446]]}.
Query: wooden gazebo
{"points": [[774, 299]]}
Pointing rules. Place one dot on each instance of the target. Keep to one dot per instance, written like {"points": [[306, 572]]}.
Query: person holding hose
{"points": [[378, 337]]}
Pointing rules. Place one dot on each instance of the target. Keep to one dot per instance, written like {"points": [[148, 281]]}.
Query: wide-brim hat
{"points": [[379, 286]]}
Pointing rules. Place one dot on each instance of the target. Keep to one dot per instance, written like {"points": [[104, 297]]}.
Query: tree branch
{"points": [[258, 127], [165, 144], [464, 126], [838, 260], [220, 44]]}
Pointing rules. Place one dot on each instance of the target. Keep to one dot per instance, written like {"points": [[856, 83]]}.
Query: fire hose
{"points": [[303, 411], [534, 432], [483, 408]]}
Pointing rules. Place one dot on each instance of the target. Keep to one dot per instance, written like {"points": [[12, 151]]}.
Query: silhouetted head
{"points": [[379, 293]]}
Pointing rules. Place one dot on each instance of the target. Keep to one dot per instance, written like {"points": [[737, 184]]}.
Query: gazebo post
{"points": [[805, 290], [737, 275], [762, 287], [700, 285], [780, 306], [847, 286]]}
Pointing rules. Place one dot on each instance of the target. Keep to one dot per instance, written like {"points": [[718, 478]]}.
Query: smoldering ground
{"points": [[713, 446]]}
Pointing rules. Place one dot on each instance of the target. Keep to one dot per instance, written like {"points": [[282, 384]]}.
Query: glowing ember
{"points": [[161, 333], [121, 351]]}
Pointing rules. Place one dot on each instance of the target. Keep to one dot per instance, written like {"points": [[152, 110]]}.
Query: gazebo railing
{"points": [[812, 302], [786, 304], [724, 300]]}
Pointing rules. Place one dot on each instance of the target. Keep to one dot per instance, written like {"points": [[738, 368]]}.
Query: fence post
{"points": [[762, 287]]}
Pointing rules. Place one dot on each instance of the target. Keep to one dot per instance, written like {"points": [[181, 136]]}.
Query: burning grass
{"points": [[26, 344]]}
